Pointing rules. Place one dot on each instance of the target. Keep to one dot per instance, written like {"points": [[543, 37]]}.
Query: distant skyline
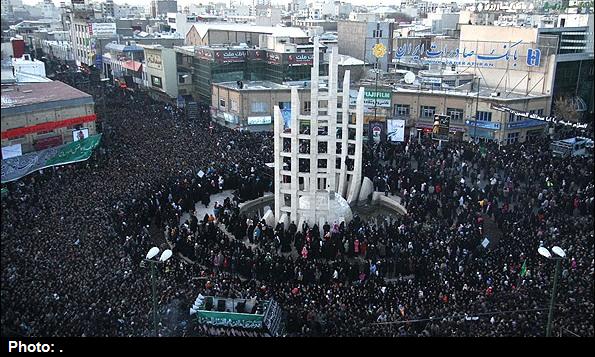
{"points": [[275, 2]]}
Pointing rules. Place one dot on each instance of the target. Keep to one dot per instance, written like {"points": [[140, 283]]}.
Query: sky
{"points": [[275, 2]]}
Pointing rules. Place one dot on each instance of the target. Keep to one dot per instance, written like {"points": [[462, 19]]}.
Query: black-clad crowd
{"points": [[74, 237]]}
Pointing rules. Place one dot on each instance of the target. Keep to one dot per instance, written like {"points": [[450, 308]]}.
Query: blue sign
{"points": [[482, 124], [533, 57], [464, 57], [525, 124], [286, 114], [98, 61]]}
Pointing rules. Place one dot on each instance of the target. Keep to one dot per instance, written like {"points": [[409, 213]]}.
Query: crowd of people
{"points": [[74, 237]]}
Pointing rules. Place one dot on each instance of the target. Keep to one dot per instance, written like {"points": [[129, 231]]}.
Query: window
{"points": [[259, 107], [427, 112], [222, 103], [512, 138], [512, 118], [484, 116], [234, 105], [307, 106], [455, 114], [401, 110]]}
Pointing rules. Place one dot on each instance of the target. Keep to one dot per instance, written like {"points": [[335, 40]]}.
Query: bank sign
{"points": [[230, 56], [503, 52], [300, 59]]}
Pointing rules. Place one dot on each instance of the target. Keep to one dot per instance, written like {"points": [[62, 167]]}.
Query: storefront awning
{"points": [[132, 65]]}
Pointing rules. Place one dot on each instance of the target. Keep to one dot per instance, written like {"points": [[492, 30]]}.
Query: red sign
{"points": [[230, 56], [257, 55], [205, 54], [12, 133], [301, 59], [273, 58], [48, 142]]}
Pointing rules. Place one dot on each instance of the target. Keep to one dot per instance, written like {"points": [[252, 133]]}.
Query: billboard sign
{"points": [[48, 142], [154, 60], [257, 55], [230, 56], [103, 29], [379, 98], [535, 116], [80, 134], [273, 58], [432, 80], [11, 151], [482, 124], [300, 59], [205, 54], [375, 131], [98, 61], [493, 55], [285, 108], [395, 130], [259, 120]]}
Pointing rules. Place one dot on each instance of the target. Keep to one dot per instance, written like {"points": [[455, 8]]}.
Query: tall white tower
{"points": [[318, 156]]}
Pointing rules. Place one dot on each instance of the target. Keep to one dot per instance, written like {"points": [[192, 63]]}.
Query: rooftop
{"points": [[484, 93], [203, 28], [253, 85], [27, 97]]}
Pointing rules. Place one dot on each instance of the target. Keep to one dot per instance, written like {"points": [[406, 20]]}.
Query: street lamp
{"points": [[149, 258], [559, 255], [103, 82]]}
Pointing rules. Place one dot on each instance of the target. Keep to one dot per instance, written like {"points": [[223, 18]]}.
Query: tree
{"points": [[565, 109]]}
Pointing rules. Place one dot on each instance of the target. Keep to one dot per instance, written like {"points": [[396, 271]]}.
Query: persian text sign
{"points": [[465, 56], [301, 59], [103, 29], [230, 319], [230, 56], [154, 61], [536, 116], [378, 98]]}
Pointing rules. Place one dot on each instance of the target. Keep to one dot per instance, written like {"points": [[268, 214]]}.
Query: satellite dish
{"points": [[543, 251], [152, 252], [409, 77], [559, 251], [165, 255]]}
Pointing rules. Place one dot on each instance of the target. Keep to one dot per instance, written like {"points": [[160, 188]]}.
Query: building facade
{"points": [[89, 37], [36, 116]]}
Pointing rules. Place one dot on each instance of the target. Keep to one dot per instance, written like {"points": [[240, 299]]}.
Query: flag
{"points": [[524, 268]]}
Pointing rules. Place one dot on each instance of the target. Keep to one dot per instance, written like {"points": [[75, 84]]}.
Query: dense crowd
{"points": [[74, 237]]}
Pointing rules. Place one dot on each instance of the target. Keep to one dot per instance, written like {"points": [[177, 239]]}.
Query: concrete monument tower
{"points": [[318, 155]]}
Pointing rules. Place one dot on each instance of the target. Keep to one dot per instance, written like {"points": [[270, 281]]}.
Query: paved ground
{"points": [[200, 210]]}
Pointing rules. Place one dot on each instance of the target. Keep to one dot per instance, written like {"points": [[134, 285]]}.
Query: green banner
{"points": [[16, 167], [229, 319], [80, 150]]}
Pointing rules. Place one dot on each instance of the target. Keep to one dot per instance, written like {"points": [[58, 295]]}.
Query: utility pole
{"points": [[155, 326], [550, 315], [476, 112]]}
